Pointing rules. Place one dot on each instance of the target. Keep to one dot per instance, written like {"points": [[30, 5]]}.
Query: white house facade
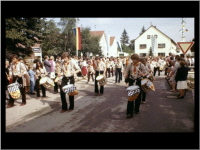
{"points": [[153, 38], [108, 44]]}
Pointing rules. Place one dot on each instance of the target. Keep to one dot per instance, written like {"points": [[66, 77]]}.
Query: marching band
{"points": [[138, 73]]}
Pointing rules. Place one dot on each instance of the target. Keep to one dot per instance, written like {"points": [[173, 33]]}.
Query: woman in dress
{"points": [[181, 79]]}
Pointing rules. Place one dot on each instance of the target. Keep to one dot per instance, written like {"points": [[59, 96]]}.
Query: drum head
{"points": [[99, 77], [145, 81], [133, 87], [43, 80]]}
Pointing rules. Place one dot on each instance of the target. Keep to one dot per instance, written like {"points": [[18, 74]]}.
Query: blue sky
{"points": [[133, 26]]}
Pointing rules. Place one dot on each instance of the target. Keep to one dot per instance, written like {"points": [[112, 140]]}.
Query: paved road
{"points": [[106, 113]]}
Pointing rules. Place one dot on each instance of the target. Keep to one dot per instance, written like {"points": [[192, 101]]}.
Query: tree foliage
{"points": [[22, 33], [90, 43], [124, 38], [53, 42], [142, 30]]}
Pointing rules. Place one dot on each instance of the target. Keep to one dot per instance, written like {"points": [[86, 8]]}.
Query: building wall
{"points": [[113, 49], [103, 45], [161, 39]]}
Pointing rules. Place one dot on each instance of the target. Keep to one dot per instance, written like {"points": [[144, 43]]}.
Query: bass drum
{"points": [[147, 85], [101, 79], [47, 82], [133, 92]]}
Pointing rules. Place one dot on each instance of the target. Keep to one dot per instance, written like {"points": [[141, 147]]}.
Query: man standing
{"points": [[17, 72], [47, 65]]}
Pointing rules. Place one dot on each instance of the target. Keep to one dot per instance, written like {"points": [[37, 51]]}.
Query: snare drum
{"points": [[147, 85], [69, 88], [58, 80], [14, 91], [150, 77], [101, 79], [133, 92], [47, 82]]}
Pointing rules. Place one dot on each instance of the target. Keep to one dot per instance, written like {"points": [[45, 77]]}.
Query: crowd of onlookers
{"points": [[169, 65]]}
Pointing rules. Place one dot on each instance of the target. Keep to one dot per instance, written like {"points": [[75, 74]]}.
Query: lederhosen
{"points": [[134, 105], [22, 88]]}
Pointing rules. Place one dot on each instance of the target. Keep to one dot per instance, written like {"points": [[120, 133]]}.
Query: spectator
{"points": [[52, 68], [181, 79], [47, 65], [32, 79]]}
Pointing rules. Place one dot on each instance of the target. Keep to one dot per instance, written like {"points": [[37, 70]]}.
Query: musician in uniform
{"points": [[100, 68], [118, 70], [148, 71], [69, 68], [17, 72], [39, 73], [134, 72]]}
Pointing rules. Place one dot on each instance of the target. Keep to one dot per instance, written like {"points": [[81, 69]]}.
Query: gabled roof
{"points": [[111, 40], [159, 31], [97, 33]]}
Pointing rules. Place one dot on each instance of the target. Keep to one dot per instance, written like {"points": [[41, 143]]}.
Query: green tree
{"points": [[22, 33], [53, 42], [127, 49], [69, 40], [150, 52], [90, 43], [143, 30], [124, 38]]}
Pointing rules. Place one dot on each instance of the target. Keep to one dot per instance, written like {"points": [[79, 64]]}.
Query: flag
{"points": [[119, 46], [77, 32]]}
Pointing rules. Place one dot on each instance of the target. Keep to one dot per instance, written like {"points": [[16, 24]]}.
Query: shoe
{"points": [[62, 111], [38, 98], [137, 112], [96, 94], [100, 94], [143, 102], [32, 93], [9, 106], [172, 90], [22, 104], [70, 110], [129, 116], [181, 97]]}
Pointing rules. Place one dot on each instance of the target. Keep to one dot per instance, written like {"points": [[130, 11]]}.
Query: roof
{"points": [[112, 40], [97, 33], [159, 31]]}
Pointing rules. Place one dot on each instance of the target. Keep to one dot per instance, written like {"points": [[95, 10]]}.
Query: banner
{"points": [[119, 46], [78, 38]]}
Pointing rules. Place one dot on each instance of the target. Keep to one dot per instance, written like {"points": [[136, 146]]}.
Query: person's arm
{"points": [[127, 71]]}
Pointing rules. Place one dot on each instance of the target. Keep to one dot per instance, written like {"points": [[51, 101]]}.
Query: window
{"points": [[161, 54], [155, 36], [161, 45], [143, 46], [148, 36], [143, 54]]}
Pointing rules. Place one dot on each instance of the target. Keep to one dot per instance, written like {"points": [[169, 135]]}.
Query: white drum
{"points": [[47, 82], [69, 88], [133, 92], [147, 85], [14, 91], [101, 79]]}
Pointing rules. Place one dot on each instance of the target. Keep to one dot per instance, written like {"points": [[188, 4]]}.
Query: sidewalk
{"points": [[18, 114]]}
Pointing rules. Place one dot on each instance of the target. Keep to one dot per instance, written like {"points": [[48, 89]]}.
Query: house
{"points": [[108, 44], [157, 41]]}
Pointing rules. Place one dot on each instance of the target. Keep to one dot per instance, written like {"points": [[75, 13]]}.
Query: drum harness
{"points": [[20, 85]]}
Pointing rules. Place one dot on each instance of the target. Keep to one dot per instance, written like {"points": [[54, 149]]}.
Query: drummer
{"points": [[40, 72], [147, 72], [100, 68], [17, 72], [137, 71], [68, 69]]}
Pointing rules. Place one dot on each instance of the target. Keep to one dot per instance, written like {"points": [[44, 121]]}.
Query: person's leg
{"points": [[71, 102], [96, 90]]}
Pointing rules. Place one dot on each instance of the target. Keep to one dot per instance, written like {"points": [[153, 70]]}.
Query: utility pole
{"points": [[76, 37]]}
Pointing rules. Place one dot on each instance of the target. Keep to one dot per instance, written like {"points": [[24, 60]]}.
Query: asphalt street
{"points": [[106, 113]]}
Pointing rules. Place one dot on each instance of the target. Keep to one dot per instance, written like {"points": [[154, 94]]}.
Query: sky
{"points": [[133, 26]]}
